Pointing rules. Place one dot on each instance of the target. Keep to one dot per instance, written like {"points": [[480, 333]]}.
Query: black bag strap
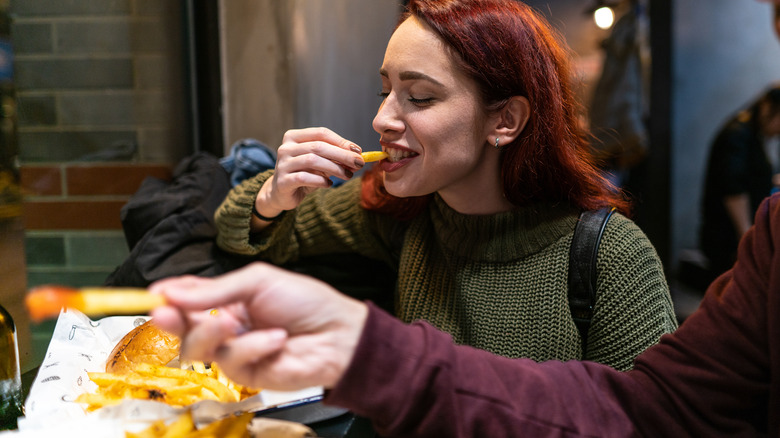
{"points": [[582, 268]]}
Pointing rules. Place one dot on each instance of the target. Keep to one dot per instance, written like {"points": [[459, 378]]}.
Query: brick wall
{"points": [[71, 218], [99, 79], [101, 94]]}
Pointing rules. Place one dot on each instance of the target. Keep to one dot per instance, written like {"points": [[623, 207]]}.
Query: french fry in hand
{"points": [[373, 156], [45, 302]]}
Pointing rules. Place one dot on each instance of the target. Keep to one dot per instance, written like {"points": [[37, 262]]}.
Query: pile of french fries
{"points": [[190, 383], [233, 426]]}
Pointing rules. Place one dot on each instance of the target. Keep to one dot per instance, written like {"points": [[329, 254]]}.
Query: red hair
{"points": [[510, 50]]}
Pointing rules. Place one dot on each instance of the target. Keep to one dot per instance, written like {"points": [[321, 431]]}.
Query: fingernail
{"points": [[355, 148], [359, 163], [348, 173]]}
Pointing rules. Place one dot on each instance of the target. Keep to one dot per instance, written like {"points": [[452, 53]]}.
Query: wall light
{"points": [[604, 17]]}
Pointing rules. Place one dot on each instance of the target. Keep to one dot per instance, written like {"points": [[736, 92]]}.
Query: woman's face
{"points": [[432, 124]]}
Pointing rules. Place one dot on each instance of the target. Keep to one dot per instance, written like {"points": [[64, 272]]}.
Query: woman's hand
{"points": [[305, 162], [273, 328]]}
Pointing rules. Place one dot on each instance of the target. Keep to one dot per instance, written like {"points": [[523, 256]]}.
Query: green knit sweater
{"points": [[496, 282]]}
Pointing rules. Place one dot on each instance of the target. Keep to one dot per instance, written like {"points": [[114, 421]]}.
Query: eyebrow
{"points": [[412, 75]]}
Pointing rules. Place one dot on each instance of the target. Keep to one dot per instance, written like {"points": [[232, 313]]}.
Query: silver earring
{"points": [[496, 145]]}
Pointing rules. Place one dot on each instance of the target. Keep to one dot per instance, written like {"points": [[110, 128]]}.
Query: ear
{"points": [[509, 121]]}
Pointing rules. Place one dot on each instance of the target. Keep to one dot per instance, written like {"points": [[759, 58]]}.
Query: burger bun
{"points": [[143, 344]]}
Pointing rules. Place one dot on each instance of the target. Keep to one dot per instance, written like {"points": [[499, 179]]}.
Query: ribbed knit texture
{"points": [[496, 282]]}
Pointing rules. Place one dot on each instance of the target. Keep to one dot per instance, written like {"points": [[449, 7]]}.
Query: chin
{"points": [[401, 190]]}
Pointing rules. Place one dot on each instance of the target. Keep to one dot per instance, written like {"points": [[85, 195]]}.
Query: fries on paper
{"points": [[45, 302], [373, 156], [232, 426], [177, 387], [183, 426]]}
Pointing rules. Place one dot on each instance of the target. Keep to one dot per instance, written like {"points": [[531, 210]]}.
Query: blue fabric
{"points": [[247, 158]]}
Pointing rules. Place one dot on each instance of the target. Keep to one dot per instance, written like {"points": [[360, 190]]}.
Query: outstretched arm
{"points": [[272, 329], [276, 329]]}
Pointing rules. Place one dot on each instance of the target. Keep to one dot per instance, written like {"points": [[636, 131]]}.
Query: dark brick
{"points": [[32, 38], [45, 250], [41, 147], [94, 37], [60, 8], [70, 277], [153, 36], [111, 179], [152, 71], [41, 180], [72, 215], [37, 110], [67, 74], [154, 8], [91, 250], [97, 109]]}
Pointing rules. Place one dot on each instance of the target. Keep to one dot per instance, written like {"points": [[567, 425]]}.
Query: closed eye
{"points": [[426, 101], [413, 100]]}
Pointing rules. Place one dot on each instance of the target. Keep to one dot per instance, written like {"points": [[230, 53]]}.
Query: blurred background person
{"points": [[619, 107], [740, 171]]}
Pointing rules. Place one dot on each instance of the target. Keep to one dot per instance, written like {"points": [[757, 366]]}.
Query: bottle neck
{"points": [[9, 350], [10, 377]]}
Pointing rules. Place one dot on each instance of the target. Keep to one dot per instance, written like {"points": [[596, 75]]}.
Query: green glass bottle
{"points": [[10, 374]]}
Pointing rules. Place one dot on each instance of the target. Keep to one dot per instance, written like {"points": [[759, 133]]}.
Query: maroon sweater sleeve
{"points": [[717, 375], [413, 381], [712, 377]]}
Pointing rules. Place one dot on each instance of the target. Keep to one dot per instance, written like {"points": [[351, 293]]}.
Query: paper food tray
{"points": [[80, 345]]}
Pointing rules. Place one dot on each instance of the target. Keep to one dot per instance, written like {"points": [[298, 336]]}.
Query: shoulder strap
{"points": [[582, 268]]}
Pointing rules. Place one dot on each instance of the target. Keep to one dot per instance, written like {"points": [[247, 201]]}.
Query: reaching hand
{"points": [[273, 328]]}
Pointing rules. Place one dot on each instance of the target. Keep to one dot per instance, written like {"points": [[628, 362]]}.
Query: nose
{"points": [[388, 116]]}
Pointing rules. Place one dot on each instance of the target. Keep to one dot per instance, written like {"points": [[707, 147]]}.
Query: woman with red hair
{"points": [[475, 205]]}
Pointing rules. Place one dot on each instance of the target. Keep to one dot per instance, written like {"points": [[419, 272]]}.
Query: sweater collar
{"points": [[504, 236]]}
